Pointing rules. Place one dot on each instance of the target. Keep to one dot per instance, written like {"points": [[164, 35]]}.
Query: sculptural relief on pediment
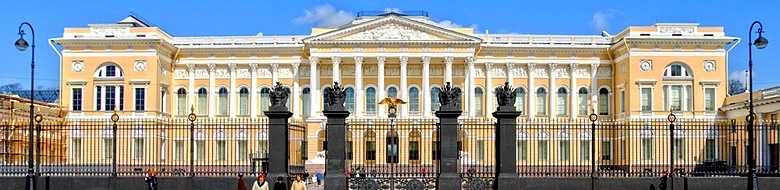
{"points": [[391, 31]]}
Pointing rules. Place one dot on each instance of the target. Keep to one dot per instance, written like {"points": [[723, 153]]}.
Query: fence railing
{"points": [[172, 147]]}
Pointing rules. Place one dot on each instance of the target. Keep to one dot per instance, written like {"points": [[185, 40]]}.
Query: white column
{"points": [[380, 112], [359, 97], [470, 90], [531, 91], [552, 91], [594, 91], [489, 90], [253, 90], [573, 92], [296, 92], [336, 63], [212, 90], [510, 73], [426, 91], [274, 74], [684, 99], [448, 70], [233, 94], [313, 87], [191, 91], [403, 91]]}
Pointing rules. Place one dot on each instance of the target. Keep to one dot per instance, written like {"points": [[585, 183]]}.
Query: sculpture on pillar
{"points": [[336, 98], [279, 96], [506, 97], [449, 98]]}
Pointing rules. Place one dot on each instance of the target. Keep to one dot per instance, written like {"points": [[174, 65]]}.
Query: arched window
{"points": [[243, 101], [541, 101], [288, 104], [520, 100], [392, 92], [603, 101], [306, 94], [223, 101], [459, 103], [181, 101], [435, 104], [563, 96], [109, 70], [350, 100], [392, 146], [265, 99], [325, 93], [414, 101], [676, 70], [203, 101], [371, 101], [582, 96], [478, 97]]}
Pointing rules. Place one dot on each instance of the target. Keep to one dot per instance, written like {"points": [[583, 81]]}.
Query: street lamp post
{"points": [[593, 118], [22, 45], [760, 43], [671, 118]]}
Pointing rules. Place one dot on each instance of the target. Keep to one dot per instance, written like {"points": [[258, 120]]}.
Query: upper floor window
{"points": [[676, 71], [181, 101], [109, 70], [392, 92]]}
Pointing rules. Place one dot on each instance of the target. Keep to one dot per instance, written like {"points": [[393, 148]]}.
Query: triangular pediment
{"points": [[392, 28]]}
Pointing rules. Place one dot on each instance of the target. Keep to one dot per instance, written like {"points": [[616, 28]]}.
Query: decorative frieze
{"points": [[562, 72], [540, 72], [304, 72], [604, 72], [392, 31], [244, 73], [392, 71], [285, 72], [582, 73], [201, 73], [264, 71], [677, 29], [458, 71], [437, 71], [181, 74], [369, 70], [479, 72], [223, 73], [326, 70], [348, 70], [519, 72], [498, 70], [414, 70]]}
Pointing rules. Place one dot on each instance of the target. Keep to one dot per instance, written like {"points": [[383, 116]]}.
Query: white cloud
{"points": [[396, 10], [325, 16], [450, 24], [600, 20], [739, 76]]}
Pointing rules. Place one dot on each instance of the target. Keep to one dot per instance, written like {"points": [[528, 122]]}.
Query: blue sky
{"points": [[219, 18]]}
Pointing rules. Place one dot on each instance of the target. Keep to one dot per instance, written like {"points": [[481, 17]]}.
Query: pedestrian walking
{"points": [[298, 184], [260, 184], [319, 178], [151, 179], [241, 185], [280, 185], [306, 176]]}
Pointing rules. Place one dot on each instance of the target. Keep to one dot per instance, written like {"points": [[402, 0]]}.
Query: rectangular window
{"points": [[623, 149], [541, 104], [414, 150], [76, 147], [603, 104], [606, 150], [110, 71], [522, 150], [181, 102], [647, 148], [710, 155], [435, 147], [110, 98], [203, 105], [481, 150], [543, 150], [263, 148], [163, 150], [178, 149], [200, 150], [564, 148], [138, 148], [622, 101], [140, 99], [108, 148], [585, 150], [242, 154], [679, 148], [675, 99], [646, 99], [77, 98], [121, 98], [349, 150], [221, 150], [709, 99], [370, 150], [162, 101], [243, 102], [99, 98]]}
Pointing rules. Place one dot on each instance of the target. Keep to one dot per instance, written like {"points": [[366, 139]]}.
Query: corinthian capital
{"points": [[314, 60], [426, 60], [358, 60]]}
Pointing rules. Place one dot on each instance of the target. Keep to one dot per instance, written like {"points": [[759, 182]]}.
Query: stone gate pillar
{"points": [[335, 177], [448, 137], [506, 137], [278, 133]]}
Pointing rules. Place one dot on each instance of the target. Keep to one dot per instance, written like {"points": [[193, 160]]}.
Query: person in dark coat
{"points": [[280, 185], [151, 180], [241, 185]]}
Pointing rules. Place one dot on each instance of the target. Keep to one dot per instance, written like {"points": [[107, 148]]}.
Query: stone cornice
{"points": [[455, 37], [560, 49]]}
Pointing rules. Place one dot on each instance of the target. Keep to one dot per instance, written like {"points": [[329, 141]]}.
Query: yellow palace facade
{"points": [[639, 73]]}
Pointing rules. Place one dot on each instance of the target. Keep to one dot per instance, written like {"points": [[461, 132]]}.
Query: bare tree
{"points": [[8, 88], [736, 87]]}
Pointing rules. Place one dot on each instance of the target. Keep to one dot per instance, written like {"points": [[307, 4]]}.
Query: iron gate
{"points": [[392, 154]]}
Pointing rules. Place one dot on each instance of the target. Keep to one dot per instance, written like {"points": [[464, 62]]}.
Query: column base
{"points": [[448, 181]]}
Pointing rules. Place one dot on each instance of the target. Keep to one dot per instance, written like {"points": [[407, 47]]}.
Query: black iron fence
{"points": [[171, 147]]}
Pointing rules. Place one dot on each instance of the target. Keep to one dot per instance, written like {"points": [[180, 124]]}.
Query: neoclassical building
{"points": [[640, 72]]}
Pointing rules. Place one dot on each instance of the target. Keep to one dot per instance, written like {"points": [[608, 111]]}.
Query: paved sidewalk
{"points": [[313, 187]]}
